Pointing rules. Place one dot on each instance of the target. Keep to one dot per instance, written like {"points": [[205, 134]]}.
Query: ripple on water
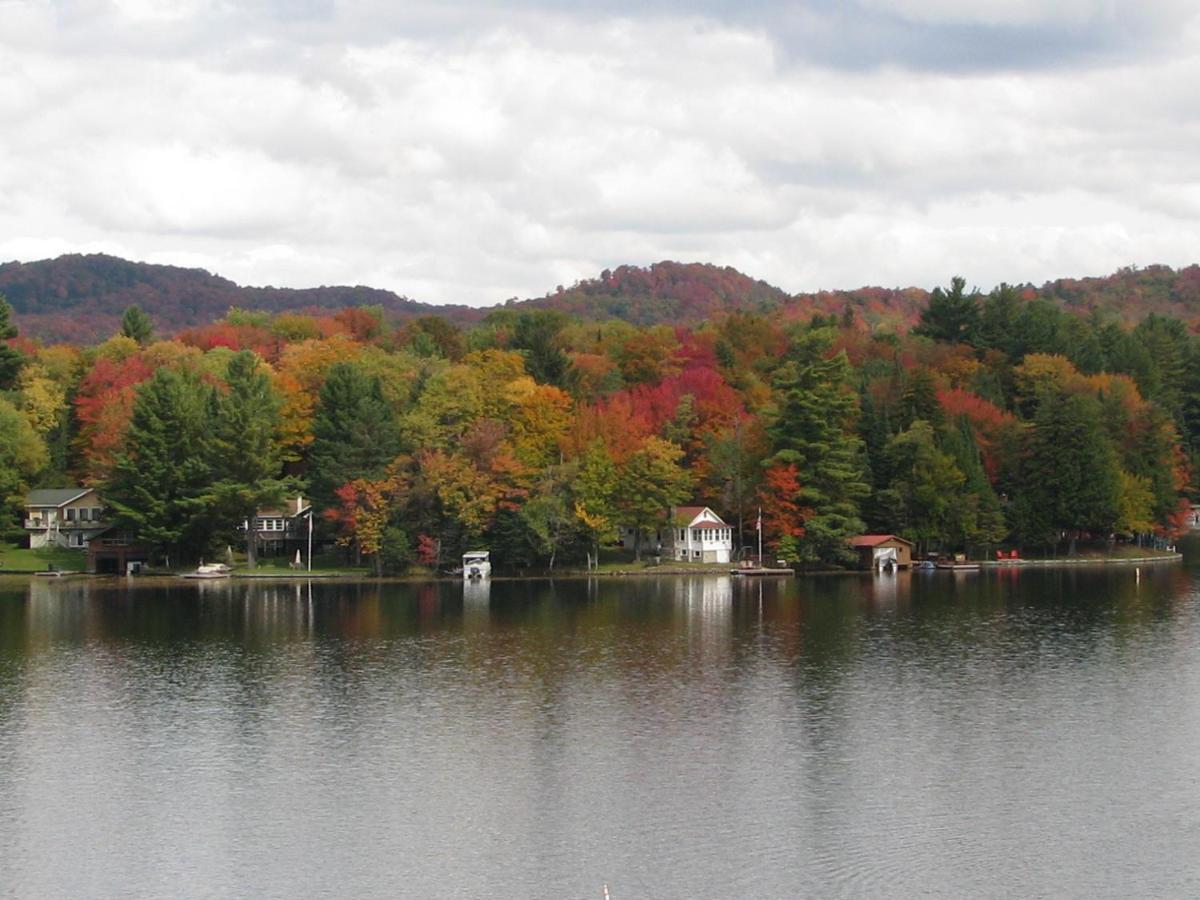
{"points": [[964, 738]]}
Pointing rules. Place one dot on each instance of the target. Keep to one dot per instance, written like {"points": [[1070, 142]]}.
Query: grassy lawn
{"points": [[615, 560], [1121, 551], [329, 564], [14, 559]]}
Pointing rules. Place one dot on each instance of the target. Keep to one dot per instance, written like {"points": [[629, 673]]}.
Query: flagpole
{"points": [[759, 527]]}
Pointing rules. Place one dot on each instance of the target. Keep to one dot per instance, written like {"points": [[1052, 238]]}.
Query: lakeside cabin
{"points": [[692, 534], [875, 551], [281, 531], [63, 517]]}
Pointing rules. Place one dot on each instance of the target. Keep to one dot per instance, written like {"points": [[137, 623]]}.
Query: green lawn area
{"points": [[621, 560], [329, 564], [1121, 551], [14, 559]]}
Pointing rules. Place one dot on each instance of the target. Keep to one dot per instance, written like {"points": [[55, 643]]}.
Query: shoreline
{"points": [[667, 571]]}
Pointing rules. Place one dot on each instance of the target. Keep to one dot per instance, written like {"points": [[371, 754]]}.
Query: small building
{"points": [[63, 517], [278, 531], [117, 551], [693, 533], [878, 550]]}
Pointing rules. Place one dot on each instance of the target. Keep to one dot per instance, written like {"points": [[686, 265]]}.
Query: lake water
{"points": [[1016, 734]]}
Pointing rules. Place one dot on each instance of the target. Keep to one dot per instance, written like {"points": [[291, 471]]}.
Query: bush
{"points": [[395, 554]]}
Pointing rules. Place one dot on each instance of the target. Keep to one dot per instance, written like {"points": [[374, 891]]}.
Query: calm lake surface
{"points": [[1016, 734]]}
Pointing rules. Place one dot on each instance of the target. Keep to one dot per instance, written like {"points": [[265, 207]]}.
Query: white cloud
{"points": [[457, 164]]}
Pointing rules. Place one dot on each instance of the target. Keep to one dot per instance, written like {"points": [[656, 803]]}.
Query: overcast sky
{"points": [[474, 152]]}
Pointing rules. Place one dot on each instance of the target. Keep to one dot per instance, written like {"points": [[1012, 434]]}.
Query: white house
{"points": [[695, 534], [63, 517]]}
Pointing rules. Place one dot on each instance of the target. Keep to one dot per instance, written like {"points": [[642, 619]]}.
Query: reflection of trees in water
{"points": [[625, 634]]}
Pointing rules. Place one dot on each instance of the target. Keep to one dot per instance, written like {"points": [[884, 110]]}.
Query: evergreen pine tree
{"points": [[952, 315], [355, 433], [924, 487], [814, 428], [244, 454], [159, 487], [136, 324], [1071, 476], [979, 518], [11, 360]]}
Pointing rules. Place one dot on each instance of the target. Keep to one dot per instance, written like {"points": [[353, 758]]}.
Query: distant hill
{"points": [[1132, 293], [664, 292], [80, 298]]}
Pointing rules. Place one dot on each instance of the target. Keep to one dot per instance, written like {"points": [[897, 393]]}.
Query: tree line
{"points": [[998, 419]]}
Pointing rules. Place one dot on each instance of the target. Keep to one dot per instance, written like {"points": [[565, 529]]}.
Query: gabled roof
{"points": [[294, 508], [55, 496], [686, 516], [874, 540]]}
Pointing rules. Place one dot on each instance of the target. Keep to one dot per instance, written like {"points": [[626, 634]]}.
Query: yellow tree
{"points": [[43, 399], [539, 419]]}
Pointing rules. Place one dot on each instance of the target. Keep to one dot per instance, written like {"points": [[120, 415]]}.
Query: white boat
{"points": [[476, 564], [211, 570]]}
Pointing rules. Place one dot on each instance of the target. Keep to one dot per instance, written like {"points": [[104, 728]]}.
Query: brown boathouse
{"points": [[876, 550]]}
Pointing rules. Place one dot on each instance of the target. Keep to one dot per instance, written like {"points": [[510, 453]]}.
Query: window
{"points": [[683, 534], [70, 515]]}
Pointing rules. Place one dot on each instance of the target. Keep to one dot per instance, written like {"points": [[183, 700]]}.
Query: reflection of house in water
{"points": [[476, 591], [889, 591], [883, 587], [58, 607], [707, 601]]}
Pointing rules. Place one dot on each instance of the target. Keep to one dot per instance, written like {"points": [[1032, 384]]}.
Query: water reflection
{"points": [[908, 734]]}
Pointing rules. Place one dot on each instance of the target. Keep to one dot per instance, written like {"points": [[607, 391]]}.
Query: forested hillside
{"points": [[998, 419], [80, 299]]}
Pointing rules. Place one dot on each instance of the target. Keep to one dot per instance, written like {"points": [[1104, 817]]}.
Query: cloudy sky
{"points": [[477, 151]]}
